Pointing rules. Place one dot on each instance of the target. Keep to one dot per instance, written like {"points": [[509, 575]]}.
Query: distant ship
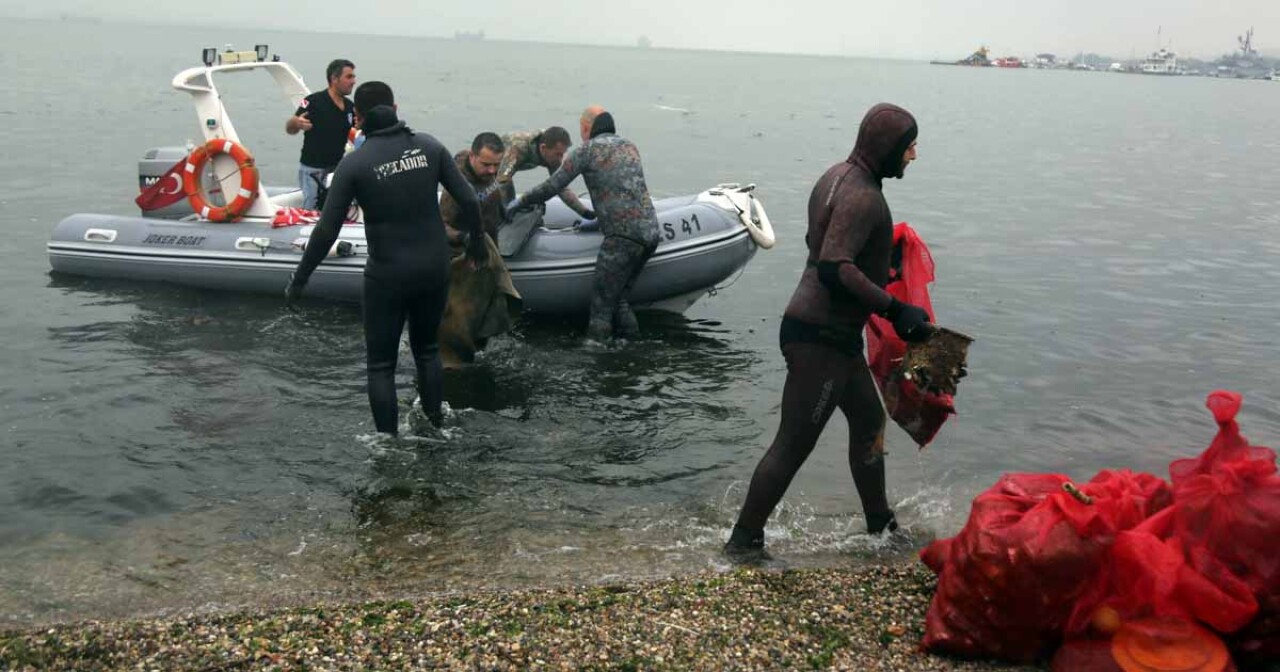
{"points": [[644, 42], [1246, 63], [469, 37], [976, 59], [1162, 62]]}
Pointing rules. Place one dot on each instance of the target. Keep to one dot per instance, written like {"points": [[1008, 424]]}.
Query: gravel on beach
{"points": [[869, 618]]}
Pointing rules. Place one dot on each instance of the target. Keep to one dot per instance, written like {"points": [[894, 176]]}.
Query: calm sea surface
{"points": [[1111, 241]]}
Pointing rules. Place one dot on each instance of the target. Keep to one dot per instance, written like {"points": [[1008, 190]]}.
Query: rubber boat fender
{"points": [[750, 212], [194, 189]]}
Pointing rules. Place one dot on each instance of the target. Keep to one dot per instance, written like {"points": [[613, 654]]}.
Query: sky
{"points": [[911, 29]]}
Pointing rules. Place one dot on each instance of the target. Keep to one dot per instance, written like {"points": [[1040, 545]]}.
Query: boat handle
{"points": [[100, 235], [247, 244]]}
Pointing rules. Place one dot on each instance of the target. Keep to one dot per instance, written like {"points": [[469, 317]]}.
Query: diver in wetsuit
{"points": [[394, 176], [610, 165], [850, 240]]}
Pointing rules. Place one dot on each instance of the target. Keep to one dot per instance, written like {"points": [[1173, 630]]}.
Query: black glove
{"points": [[589, 214], [588, 225], [292, 292], [477, 250], [911, 323]]}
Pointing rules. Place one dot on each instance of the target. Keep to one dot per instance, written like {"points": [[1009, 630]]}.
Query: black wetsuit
{"points": [[394, 176], [850, 240]]}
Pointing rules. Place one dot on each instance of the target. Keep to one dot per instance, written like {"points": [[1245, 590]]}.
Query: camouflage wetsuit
{"points": [[521, 154], [850, 241], [610, 165], [490, 204]]}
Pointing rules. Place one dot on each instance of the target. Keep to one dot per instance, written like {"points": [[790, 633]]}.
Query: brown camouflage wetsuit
{"points": [[850, 241], [610, 165], [521, 153], [490, 202]]}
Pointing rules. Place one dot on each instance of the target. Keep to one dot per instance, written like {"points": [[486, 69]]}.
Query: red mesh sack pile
{"points": [[1029, 551]]}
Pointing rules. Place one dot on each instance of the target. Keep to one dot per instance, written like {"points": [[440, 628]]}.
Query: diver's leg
{"points": [[816, 375], [625, 323], [384, 315], [426, 308], [613, 265], [861, 407]]}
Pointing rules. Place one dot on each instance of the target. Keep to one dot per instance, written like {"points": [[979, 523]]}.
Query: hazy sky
{"points": [[903, 28]]}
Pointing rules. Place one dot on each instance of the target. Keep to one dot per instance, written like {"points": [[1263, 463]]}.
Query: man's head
{"points": [[588, 118], [370, 95], [552, 145], [886, 141], [341, 75], [908, 156], [486, 155]]}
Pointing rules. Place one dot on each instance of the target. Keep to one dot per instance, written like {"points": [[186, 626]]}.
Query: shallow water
{"points": [[1108, 239]]}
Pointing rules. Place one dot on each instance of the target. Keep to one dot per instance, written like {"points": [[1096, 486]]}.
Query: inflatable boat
{"points": [[201, 241]]}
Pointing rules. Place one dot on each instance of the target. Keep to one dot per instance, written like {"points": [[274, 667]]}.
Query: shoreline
{"points": [[864, 618]]}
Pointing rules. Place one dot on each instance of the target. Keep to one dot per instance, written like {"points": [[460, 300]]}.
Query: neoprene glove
{"points": [[588, 225], [589, 214], [910, 322]]}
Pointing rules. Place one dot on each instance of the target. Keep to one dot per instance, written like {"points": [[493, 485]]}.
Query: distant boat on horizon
{"points": [[644, 42], [469, 37], [976, 59]]}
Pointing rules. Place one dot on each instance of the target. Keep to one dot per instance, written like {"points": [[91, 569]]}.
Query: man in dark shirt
{"points": [[850, 240], [324, 118], [395, 176]]}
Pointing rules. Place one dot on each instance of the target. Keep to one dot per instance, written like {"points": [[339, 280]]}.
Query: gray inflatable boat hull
{"points": [[703, 243]]}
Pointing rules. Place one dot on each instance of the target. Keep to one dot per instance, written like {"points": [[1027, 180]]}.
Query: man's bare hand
{"points": [[301, 122]]}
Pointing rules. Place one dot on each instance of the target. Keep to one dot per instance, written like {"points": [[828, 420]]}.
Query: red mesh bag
{"points": [[1228, 519], [918, 412], [1030, 549]]}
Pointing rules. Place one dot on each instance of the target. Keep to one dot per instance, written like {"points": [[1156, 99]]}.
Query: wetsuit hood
{"points": [[603, 124], [884, 136], [381, 120]]}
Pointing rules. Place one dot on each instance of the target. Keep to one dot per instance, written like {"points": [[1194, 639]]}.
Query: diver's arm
{"points": [[341, 193], [847, 233], [569, 169], [571, 199]]}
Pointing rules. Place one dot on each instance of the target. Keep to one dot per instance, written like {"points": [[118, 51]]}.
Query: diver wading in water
{"points": [[850, 240], [610, 165], [395, 176]]}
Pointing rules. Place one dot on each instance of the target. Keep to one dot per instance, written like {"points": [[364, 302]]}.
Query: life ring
{"points": [[192, 179]]}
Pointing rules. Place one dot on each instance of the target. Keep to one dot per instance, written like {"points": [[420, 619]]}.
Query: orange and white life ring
{"points": [[192, 181]]}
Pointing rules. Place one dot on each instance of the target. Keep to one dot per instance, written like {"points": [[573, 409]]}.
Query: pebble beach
{"points": [[869, 618]]}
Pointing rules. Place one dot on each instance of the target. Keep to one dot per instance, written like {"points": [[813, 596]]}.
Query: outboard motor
{"points": [[153, 166]]}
